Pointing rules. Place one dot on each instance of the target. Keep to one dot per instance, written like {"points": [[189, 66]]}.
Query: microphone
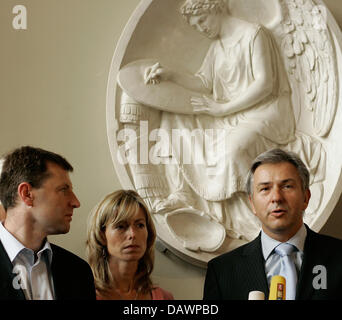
{"points": [[256, 295], [278, 288]]}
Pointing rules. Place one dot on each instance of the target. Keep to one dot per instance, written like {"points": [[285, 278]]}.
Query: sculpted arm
{"points": [[158, 73]]}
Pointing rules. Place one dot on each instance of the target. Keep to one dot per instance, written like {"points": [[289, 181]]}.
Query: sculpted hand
{"points": [[206, 105], [155, 74]]}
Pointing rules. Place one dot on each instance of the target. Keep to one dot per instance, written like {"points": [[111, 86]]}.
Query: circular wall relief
{"points": [[182, 131]]}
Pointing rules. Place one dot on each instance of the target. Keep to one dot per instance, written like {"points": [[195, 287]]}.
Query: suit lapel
{"points": [[305, 288], [7, 290], [255, 267], [56, 274]]}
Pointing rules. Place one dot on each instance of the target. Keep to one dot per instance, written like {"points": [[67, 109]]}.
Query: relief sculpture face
{"points": [[188, 113], [208, 24]]}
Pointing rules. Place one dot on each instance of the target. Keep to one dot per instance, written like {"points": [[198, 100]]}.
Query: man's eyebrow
{"points": [[263, 184], [282, 182], [64, 185], [288, 180]]}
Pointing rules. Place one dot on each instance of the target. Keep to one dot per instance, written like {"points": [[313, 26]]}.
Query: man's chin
{"points": [[65, 230], [283, 229], [61, 230], [278, 227]]}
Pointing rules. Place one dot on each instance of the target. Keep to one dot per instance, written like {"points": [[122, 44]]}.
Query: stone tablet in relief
{"points": [[198, 88]]}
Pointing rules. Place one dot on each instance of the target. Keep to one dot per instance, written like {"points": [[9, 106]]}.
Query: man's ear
{"points": [[25, 193], [307, 196], [251, 203]]}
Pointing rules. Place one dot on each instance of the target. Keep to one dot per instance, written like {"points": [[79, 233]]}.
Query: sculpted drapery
{"points": [[238, 105], [227, 71]]}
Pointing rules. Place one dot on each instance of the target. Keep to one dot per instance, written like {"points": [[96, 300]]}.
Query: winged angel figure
{"points": [[259, 83]]}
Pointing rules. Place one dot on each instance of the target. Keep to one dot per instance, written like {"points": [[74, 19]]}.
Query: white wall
{"points": [[53, 79]]}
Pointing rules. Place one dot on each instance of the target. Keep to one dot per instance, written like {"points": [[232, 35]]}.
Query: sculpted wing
{"points": [[310, 60]]}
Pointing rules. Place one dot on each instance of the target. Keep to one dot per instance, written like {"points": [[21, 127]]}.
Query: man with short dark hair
{"points": [[278, 190], [37, 195]]}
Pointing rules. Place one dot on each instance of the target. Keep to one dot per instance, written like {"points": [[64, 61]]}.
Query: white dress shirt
{"points": [[273, 261], [33, 272]]}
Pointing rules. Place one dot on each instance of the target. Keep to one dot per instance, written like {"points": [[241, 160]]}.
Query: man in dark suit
{"points": [[278, 189], [36, 193]]}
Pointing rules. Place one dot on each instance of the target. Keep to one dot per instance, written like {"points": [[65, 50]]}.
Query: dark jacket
{"points": [[72, 276], [233, 275]]}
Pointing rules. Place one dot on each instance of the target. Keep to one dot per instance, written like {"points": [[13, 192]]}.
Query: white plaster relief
{"points": [[269, 79]]}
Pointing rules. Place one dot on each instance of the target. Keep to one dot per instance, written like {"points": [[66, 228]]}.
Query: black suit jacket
{"points": [[72, 276], [233, 275]]}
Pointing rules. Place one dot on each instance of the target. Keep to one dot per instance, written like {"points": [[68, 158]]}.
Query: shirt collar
{"points": [[268, 244], [13, 246], [46, 248]]}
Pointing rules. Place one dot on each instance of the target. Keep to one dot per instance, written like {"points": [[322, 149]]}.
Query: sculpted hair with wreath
{"points": [[199, 7]]}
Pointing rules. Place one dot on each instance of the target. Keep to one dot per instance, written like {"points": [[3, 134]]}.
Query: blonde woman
{"points": [[120, 249]]}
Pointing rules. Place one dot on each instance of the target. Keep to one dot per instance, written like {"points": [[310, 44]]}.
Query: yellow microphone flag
{"points": [[278, 288]]}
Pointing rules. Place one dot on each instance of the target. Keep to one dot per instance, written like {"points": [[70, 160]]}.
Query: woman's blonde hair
{"points": [[115, 208]]}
